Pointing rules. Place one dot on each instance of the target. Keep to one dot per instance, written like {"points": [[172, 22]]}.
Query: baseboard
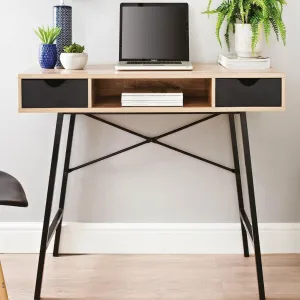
{"points": [[150, 238]]}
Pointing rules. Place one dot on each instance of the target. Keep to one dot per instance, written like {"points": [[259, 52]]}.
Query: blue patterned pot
{"points": [[63, 20], [48, 56]]}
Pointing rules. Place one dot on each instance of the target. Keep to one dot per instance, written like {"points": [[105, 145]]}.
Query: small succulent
{"points": [[74, 48], [48, 35]]}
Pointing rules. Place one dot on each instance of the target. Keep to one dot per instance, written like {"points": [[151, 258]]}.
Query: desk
{"points": [[208, 89]]}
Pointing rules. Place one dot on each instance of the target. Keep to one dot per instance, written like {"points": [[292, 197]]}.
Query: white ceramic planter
{"points": [[74, 61], [243, 40]]}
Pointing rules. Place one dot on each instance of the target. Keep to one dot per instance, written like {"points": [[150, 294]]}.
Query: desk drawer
{"points": [[249, 92], [52, 93]]}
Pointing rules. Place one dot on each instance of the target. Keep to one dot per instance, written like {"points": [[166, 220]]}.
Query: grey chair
{"points": [[11, 194]]}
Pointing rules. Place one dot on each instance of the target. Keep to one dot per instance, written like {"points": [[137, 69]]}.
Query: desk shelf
{"points": [[106, 93]]}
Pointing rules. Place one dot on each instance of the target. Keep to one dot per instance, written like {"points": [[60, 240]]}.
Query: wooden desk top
{"points": [[105, 86], [108, 71]]}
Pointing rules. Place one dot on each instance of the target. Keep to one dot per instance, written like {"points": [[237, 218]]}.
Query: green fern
{"points": [[282, 30], [267, 29], [242, 9], [231, 11], [209, 5], [260, 14], [248, 6], [255, 22], [227, 35], [275, 27], [221, 18]]}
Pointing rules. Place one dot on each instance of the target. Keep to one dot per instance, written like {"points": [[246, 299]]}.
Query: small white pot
{"points": [[243, 40], [74, 61]]}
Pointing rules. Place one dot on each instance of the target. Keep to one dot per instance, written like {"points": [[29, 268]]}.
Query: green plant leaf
{"points": [[255, 25], [282, 30], [263, 5], [267, 29], [230, 11], [221, 18], [74, 48], [227, 35], [258, 13], [208, 6], [247, 8], [38, 34], [47, 35], [210, 12], [42, 32], [242, 11], [275, 28]]}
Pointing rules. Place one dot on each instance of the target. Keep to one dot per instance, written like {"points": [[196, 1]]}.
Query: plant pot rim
{"points": [[74, 54]]}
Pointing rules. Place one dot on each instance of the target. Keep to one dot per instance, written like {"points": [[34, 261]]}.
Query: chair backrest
{"points": [[11, 191]]}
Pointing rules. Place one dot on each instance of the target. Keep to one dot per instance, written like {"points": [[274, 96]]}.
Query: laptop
{"points": [[154, 36]]}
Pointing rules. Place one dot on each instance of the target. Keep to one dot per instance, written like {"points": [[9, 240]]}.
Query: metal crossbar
{"points": [[154, 140], [56, 220], [247, 223]]}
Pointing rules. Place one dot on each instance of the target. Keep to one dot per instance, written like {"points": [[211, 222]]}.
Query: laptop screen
{"points": [[154, 31]]}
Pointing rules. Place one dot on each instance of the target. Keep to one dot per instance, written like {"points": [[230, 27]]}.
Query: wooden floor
{"points": [[152, 277]]}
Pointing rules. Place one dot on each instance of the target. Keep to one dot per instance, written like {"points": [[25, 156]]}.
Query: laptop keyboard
{"points": [[154, 63]]}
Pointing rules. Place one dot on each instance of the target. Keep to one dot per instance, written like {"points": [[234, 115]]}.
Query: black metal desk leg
{"points": [[238, 180], [49, 200], [64, 183], [251, 192]]}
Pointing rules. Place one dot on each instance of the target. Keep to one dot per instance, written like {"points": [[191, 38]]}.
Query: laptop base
{"points": [[126, 66]]}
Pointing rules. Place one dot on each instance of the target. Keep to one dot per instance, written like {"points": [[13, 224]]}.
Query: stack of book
{"points": [[232, 61], [157, 97]]}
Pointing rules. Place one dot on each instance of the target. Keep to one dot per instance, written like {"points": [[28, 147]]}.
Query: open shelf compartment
{"points": [[197, 92]]}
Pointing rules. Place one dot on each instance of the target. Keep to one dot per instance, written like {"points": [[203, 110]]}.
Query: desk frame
{"points": [[247, 226]]}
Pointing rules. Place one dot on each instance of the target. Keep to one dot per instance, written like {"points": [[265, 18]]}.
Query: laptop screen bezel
{"points": [[122, 5]]}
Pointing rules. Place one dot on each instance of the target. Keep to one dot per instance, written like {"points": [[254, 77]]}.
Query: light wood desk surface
{"points": [[108, 71], [208, 88]]}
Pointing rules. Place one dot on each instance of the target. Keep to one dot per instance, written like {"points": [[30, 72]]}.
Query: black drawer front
{"points": [[248, 92], [53, 93]]}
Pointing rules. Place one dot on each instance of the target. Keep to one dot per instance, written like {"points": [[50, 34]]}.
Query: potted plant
{"points": [[247, 19], [48, 51], [73, 57]]}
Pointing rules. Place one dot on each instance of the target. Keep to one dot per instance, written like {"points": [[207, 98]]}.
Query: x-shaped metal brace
{"points": [[154, 140]]}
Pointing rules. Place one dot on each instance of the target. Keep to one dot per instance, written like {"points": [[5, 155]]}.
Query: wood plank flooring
{"points": [[152, 277]]}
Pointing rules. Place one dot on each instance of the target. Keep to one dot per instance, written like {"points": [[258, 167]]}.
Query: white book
{"points": [[156, 102], [151, 98], [234, 58], [152, 94], [232, 61], [152, 91], [152, 104], [157, 94]]}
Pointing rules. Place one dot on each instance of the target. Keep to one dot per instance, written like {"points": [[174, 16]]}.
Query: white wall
{"points": [[149, 184]]}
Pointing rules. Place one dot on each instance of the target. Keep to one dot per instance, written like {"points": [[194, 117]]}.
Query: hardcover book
{"points": [[232, 61]]}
